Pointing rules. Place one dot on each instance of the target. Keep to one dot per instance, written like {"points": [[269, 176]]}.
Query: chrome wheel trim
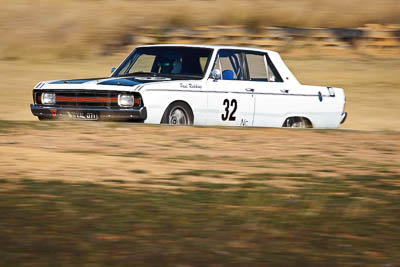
{"points": [[178, 116], [299, 124]]}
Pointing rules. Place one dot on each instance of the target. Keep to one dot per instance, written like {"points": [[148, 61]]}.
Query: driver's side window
{"points": [[229, 62]]}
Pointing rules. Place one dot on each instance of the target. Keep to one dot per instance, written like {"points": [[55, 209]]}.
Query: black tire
{"points": [[178, 113], [43, 118]]}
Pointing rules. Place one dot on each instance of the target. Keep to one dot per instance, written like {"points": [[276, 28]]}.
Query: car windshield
{"points": [[170, 62]]}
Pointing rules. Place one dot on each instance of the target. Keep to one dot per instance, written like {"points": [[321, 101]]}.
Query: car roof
{"points": [[214, 47]]}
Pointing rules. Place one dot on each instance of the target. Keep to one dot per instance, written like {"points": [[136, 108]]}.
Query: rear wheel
{"points": [[297, 122], [178, 113]]}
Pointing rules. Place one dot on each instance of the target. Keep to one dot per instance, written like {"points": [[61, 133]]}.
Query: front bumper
{"points": [[48, 112]]}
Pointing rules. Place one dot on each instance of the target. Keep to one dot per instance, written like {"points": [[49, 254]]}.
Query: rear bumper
{"points": [[344, 117], [139, 114]]}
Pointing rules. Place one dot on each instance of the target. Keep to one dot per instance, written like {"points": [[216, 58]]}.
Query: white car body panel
{"points": [[261, 104]]}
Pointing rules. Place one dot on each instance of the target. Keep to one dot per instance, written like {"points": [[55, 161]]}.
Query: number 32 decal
{"points": [[233, 104]]}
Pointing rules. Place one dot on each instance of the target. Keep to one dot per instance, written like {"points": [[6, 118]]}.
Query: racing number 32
{"points": [[233, 104]]}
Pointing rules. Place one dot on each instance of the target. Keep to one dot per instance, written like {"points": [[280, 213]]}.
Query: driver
{"points": [[177, 66]]}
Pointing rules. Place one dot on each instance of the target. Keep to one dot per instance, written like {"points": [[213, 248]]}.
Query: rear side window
{"points": [[257, 67], [260, 68]]}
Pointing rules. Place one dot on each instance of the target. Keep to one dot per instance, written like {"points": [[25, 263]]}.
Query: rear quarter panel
{"points": [[323, 111]]}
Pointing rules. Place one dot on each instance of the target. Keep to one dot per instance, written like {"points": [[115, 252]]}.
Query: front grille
{"points": [[85, 98]]}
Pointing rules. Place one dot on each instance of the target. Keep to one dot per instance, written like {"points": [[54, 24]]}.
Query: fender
{"points": [[157, 101]]}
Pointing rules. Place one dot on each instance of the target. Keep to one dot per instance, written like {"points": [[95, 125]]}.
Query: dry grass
{"points": [[97, 152], [32, 29], [109, 194]]}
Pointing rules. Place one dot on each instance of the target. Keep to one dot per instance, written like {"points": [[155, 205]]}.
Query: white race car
{"points": [[195, 84]]}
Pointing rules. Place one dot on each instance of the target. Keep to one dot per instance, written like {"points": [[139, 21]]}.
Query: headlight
{"points": [[48, 98], [126, 100]]}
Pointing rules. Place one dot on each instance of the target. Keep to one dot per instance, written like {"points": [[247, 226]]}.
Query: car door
{"points": [[272, 96], [230, 102]]}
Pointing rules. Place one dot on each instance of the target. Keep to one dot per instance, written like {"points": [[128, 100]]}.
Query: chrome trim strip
{"points": [[227, 92]]}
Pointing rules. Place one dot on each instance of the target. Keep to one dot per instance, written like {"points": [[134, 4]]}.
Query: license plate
{"points": [[79, 115]]}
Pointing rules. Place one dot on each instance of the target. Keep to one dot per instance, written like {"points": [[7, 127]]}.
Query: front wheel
{"points": [[44, 118], [178, 113]]}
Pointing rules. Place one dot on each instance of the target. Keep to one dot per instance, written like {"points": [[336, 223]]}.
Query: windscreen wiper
{"points": [[139, 73]]}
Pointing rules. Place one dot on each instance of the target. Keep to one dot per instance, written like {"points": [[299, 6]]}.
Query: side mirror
{"points": [[112, 70], [216, 74]]}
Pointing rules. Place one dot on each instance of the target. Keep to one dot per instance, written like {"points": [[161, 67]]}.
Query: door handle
{"points": [[249, 89], [285, 91]]}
